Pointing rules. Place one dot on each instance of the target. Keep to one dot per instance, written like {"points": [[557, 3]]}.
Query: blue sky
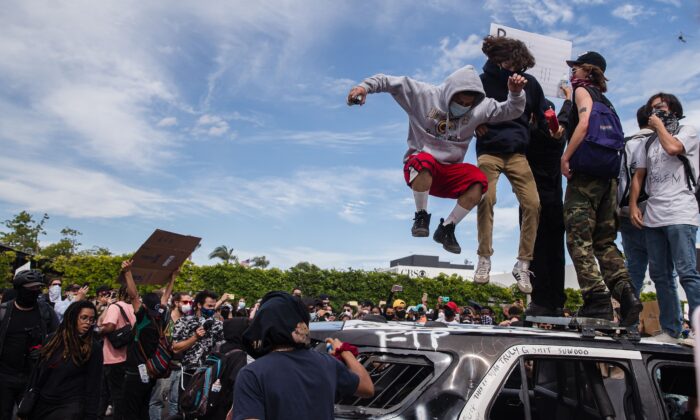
{"points": [[227, 120]]}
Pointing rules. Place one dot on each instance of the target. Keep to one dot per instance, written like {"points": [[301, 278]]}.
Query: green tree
{"points": [[224, 254], [24, 231], [574, 299], [66, 246], [259, 262], [647, 296], [7, 259]]}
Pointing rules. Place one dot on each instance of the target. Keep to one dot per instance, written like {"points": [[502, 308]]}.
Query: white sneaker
{"points": [[481, 275], [664, 338], [522, 277]]}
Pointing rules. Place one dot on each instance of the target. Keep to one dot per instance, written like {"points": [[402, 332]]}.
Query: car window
{"points": [[566, 388], [676, 384], [397, 378]]}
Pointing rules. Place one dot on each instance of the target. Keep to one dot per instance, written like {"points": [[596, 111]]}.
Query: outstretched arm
{"points": [[513, 107], [131, 286], [404, 89]]}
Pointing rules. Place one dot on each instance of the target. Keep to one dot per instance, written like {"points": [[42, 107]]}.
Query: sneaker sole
{"points": [[481, 281], [525, 290], [420, 233], [452, 250]]}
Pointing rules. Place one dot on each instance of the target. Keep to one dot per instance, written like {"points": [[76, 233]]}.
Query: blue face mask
{"points": [[207, 313], [457, 110]]}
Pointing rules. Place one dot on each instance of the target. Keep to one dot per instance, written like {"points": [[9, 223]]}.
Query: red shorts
{"points": [[449, 181]]}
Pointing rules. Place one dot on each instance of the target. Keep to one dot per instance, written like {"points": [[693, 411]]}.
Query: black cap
{"points": [[589, 57], [29, 278]]}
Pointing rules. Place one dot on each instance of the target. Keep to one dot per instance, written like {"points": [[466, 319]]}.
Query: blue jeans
{"points": [[157, 402], [634, 244], [174, 394], [669, 247]]}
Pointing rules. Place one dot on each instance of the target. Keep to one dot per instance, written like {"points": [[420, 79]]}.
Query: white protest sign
{"points": [[550, 57]]}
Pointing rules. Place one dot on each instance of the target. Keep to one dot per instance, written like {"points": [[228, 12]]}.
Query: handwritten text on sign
{"points": [[550, 56]]}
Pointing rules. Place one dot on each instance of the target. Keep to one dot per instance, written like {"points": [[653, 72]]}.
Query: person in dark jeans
{"points": [[549, 259], [24, 324], [114, 358], [69, 373], [150, 321]]}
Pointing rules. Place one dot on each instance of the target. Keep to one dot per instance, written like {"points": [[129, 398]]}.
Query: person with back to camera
{"points": [[288, 379], [441, 124]]}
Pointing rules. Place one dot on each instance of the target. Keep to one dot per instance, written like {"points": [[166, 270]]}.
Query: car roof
{"points": [[569, 336]]}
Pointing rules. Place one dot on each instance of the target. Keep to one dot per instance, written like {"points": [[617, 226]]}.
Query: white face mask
{"points": [[55, 293], [185, 309], [241, 305], [458, 110]]}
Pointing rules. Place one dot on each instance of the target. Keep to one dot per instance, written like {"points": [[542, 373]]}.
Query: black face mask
{"points": [[670, 120], [26, 298], [401, 314]]}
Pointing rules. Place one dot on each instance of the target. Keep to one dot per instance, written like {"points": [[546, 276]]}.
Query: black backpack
{"points": [[211, 385]]}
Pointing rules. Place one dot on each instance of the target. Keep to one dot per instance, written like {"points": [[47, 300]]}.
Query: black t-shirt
{"points": [[147, 335], [302, 382], [23, 332]]}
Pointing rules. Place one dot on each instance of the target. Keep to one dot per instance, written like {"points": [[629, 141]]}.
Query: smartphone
{"points": [[397, 288]]}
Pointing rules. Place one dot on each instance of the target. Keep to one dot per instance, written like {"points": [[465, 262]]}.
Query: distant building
{"points": [[428, 266]]}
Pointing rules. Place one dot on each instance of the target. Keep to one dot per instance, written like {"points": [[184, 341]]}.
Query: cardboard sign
{"points": [[649, 318], [161, 254], [550, 57]]}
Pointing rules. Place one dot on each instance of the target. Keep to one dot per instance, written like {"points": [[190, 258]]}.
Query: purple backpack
{"points": [[600, 153]]}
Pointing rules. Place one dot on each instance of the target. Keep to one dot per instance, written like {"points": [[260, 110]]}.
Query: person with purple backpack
{"points": [[591, 163]]}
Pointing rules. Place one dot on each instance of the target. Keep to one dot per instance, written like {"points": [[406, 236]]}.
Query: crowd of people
{"points": [[67, 355], [643, 185]]}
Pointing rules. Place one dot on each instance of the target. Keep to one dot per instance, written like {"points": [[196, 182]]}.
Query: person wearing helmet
{"points": [[25, 323]]}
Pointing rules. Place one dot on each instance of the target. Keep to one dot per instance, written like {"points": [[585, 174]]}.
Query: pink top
{"points": [[114, 316]]}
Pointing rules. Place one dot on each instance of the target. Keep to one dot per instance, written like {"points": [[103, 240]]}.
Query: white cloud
{"points": [[450, 58], [345, 191], [630, 12], [74, 192], [531, 13], [353, 211], [676, 3], [343, 141], [167, 122], [211, 125]]}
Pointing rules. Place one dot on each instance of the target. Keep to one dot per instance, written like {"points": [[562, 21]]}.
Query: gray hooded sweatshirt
{"points": [[428, 108]]}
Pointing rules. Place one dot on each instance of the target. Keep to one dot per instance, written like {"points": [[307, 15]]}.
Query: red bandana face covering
{"points": [[576, 82]]}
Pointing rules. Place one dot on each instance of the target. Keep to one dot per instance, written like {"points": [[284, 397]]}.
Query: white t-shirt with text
{"points": [[670, 201]]}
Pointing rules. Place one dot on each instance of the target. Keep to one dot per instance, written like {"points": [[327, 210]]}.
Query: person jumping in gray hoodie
{"points": [[441, 124]]}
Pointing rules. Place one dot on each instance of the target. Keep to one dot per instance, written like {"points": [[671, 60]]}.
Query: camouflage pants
{"points": [[591, 229]]}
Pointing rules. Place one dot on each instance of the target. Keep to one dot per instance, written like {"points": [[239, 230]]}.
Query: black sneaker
{"points": [[596, 305], [630, 306], [445, 235], [421, 224]]}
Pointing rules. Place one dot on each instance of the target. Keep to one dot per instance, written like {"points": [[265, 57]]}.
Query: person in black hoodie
{"points": [[501, 148], [25, 322], [69, 374], [544, 156]]}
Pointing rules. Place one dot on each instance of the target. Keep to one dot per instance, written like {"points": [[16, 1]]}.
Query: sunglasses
{"points": [[185, 302]]}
